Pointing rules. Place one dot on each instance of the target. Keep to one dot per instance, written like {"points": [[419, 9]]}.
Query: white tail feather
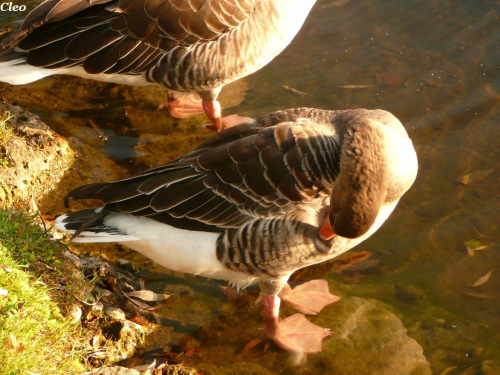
{"points": [[17, 72]]}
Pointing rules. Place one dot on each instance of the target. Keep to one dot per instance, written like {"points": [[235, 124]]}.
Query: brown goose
{"points": [[259, 201], [182, 45]]}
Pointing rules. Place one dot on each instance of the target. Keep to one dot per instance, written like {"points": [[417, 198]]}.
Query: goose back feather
{"points": [[179, 44]]}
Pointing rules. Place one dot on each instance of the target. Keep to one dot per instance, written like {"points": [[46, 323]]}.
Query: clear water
{"points": [[436, 66]]}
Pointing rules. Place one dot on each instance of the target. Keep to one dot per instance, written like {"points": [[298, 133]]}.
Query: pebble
{"points": [[115, 313]]}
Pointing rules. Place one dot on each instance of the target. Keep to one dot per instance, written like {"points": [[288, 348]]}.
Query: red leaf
{"points": [[251, 344]]}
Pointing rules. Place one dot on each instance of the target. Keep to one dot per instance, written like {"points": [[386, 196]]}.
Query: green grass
{"points": [[5, 134], [31, 275]]}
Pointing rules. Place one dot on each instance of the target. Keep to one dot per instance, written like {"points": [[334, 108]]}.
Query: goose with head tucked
{"points": [[193, 46], [259, 201]]}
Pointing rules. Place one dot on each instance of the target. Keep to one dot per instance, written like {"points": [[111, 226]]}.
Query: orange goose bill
{"points": [[182, 45], [248, 205]]}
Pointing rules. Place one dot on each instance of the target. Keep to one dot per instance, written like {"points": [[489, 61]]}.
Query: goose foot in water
{"points": [[295, 333], [308, 298], [187, 105]]}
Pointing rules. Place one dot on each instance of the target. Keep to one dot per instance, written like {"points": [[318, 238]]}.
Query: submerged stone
{"points": [[369, 339]]}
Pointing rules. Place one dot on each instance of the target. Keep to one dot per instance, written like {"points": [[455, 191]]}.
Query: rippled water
{"points": [[435, 65]]}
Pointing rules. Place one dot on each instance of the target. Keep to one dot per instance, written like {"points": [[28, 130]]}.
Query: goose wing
{"points": [[255, 169], [121, 36]]}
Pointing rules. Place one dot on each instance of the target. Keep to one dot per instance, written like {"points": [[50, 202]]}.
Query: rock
{"points": [[408, 293], [126, 265], [74, 313], [368, 327], [73, 258], [117, 370], [490, 367], [97, 307], [115, 313], [27, 173]]}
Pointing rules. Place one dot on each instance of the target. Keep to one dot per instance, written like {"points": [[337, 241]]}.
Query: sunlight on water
{"points": [[435, 65]]}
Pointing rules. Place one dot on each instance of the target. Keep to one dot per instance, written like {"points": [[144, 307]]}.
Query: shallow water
{"points": [[435, 65]]}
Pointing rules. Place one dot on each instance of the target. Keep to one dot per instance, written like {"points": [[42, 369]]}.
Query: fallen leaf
{"points": [[149, 296], [473, 246], [477, 231], [482, 280], [192, 351], [355, 86], [447, 370], [6, 269], [15, 343], [139, 320], [250, 345], [474, 177], [266, 346], [148, 366], [295, 90], [478, 295], [165, 354]]}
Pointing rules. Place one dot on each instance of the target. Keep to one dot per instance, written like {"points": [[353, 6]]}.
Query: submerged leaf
{"points": [[251, 344], [474, 177], [295, 90], [473, 246], [478, 295], [149, 296], [482, 280], [447, 370]]}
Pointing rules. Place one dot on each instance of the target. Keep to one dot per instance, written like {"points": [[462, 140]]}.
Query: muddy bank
{"points": [[38, 167]]}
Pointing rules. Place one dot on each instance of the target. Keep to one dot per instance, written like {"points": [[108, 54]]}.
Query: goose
{"points": [[193, 46], [258, 201]]}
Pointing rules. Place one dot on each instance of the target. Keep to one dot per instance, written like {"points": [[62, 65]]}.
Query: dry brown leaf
{"points": [[139, 320], [482, 280], [149, 296], [474, 177], [470, 251], [15, 343]]}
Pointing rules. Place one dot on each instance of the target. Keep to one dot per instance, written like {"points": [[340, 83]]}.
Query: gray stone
{"points": [[490, 367], [369, 339]]}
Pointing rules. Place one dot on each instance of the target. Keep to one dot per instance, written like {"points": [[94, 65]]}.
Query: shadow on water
{"points": [[436, 67]]}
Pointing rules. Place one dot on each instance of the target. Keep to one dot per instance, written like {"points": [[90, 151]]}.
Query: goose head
{"points": [[362, 185]]}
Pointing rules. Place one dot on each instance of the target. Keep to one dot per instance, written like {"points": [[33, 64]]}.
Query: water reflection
{"points": [[435, 65]]}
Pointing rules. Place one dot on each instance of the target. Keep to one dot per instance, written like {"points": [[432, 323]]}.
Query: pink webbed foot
{"points": [[308, 298], [181, 105], [299, 335], [295, 333]]}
